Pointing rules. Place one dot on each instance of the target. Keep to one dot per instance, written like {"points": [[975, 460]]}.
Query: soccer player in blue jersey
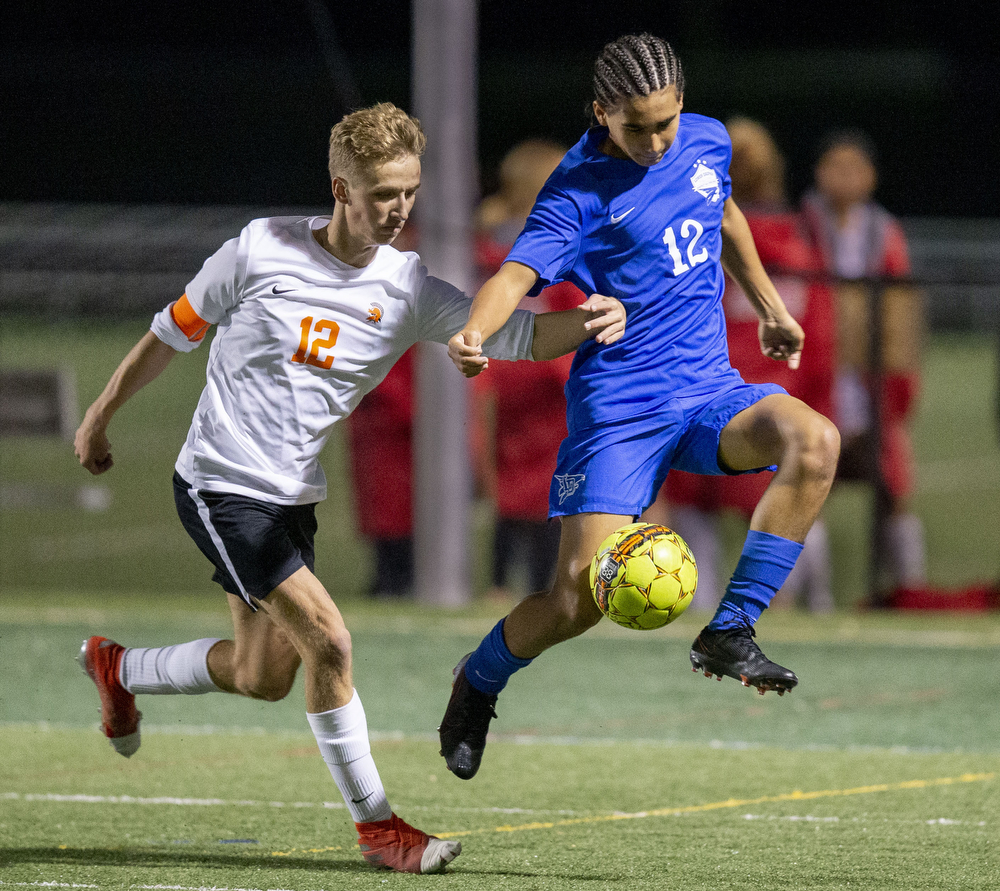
{"points": [[640, 209]]}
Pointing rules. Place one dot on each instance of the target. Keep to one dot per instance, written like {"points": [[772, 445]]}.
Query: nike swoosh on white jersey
{"points": [[621, 216]]}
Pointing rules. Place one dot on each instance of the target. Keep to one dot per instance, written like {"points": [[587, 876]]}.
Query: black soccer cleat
{"points": [[733, 653], [465, 724]]}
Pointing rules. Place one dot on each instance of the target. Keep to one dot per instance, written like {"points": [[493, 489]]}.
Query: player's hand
{"points": [[92, 447], [465, 349], [608, 318], [782, 339]]}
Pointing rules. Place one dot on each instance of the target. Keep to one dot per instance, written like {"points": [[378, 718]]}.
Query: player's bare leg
{"points": [[538, 622], [547, 618], [302, 609], [260, 662], [805, 446]]}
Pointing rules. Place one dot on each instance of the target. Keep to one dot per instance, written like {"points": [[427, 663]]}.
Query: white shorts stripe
{"points": [[220, 546]]}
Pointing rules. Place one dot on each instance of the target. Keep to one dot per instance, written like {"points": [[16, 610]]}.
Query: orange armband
{"points": [[193, 326]]}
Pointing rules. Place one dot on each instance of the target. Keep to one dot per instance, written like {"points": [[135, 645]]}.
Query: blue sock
{"points": [[491, 665], [763, 567]]}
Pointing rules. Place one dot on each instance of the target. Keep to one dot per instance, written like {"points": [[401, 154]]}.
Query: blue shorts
{"points": [[254, 545], [618, 468]]}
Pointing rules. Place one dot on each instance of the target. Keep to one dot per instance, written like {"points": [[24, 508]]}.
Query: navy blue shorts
{"points": [[618, 468], [254, 545]]}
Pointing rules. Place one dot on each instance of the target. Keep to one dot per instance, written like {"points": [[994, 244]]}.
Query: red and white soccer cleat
{"points": [[395, 844], [100, 659]]}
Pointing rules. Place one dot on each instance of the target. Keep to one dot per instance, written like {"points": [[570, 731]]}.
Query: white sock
{"points": [[700, 529], [342, 736], [182, 668]]}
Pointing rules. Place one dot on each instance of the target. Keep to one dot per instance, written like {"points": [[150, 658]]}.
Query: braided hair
{"points": [[635, 65]]}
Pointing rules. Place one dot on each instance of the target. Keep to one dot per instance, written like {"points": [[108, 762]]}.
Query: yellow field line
{"points": [[796, 795]]}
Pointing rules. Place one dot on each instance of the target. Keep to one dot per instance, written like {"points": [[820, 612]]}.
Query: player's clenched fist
{"points": [[465, 349], [92, 447]]}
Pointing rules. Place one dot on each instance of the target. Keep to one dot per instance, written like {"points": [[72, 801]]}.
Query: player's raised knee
{"points": [[818, 445]]}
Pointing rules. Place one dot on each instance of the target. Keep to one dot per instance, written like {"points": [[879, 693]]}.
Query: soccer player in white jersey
{"points": [[311, 313], [640, 208]]}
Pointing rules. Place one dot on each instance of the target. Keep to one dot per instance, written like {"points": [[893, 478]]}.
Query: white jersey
{"points": [[301, 338]]}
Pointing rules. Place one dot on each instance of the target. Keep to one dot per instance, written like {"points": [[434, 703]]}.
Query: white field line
{"points": [[130, 886], [567, 817], [515, 738], [809, 818], [80, 798], [336, 805], [46, 885]]}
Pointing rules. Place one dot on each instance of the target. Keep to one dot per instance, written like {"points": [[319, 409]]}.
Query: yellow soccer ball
{"points": [[643, 576]]}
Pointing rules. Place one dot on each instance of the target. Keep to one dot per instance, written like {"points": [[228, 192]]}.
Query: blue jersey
{"points": [[650, 236]]}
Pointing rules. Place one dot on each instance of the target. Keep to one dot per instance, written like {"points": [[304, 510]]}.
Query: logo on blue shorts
{"points": [[568, 484]]}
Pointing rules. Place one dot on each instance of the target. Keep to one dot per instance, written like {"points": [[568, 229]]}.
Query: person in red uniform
{"points": [[860, 240], [380, 440], [692, 504], [520, 410]]}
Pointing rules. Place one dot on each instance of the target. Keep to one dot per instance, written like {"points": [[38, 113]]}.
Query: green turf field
{"points": [[612, 764]]}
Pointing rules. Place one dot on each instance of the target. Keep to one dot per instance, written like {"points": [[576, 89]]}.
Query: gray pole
{"points": [[444, 98]]}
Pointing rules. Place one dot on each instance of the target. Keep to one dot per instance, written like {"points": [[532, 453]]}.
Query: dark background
{"points": [[231, 102]]}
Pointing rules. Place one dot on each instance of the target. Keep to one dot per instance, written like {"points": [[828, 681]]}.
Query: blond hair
{"points": [[365, 139]]}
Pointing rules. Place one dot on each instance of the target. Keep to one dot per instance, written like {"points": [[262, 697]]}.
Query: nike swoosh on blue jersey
{"points": [[621, 216]]}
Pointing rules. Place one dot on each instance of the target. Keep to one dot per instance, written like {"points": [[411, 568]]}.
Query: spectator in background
{"points": [[520, 411], [859, 242], [693, 504], [380, 445]]}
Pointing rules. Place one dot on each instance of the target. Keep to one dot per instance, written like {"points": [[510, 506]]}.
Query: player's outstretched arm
{"points": [[143, 364], [557, 333], [781, 337], [491, 307]]}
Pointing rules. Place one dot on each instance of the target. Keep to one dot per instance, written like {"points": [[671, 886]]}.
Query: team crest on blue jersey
{"points": [[705, 181], [375, 313], [568, 484]]}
